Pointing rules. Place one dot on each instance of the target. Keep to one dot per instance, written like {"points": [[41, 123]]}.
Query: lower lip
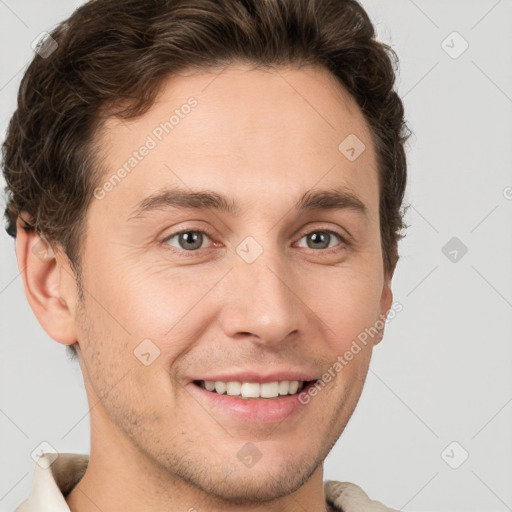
{"points": [[264, 410]]}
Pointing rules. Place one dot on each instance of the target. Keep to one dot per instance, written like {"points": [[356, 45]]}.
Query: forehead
{"points": [[255, 133]]}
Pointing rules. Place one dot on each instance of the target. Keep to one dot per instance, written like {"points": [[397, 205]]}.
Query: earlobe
{"points": [[42, 274]]}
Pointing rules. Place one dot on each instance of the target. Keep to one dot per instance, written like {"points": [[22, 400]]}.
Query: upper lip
{"points": [[253, 376]]}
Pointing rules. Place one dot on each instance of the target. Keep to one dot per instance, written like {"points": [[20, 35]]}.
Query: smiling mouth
{"points": [[254, 390]]}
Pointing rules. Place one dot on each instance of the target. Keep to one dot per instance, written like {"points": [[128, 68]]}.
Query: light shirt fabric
{"points": [[54, 478]]}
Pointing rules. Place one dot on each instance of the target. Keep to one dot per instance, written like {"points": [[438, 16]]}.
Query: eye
{"points": [[320, 239], [190, 240]]}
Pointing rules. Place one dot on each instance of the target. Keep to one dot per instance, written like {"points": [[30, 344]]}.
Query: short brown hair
{"points": [[113, 56]]}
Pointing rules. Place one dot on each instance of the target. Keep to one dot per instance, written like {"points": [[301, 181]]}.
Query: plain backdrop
{"points": [[432, 430]]}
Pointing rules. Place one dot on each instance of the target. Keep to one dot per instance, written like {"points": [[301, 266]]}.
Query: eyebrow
{"points": [[329, 199]]}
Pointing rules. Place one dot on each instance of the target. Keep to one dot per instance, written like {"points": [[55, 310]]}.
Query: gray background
{"points": [[443, 372]]}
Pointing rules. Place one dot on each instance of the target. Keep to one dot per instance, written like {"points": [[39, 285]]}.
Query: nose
{"points": [[260, 302]]}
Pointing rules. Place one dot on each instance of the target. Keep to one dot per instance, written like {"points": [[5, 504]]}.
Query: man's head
{"points": [[275, 111]]}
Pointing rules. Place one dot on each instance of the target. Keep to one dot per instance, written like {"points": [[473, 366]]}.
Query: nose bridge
{"points": [[260, 300]]}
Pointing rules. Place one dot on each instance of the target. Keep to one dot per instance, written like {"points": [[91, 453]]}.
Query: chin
{"points": [[265, 481], [242, 486]]}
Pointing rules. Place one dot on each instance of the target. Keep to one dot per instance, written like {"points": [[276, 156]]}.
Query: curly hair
{"points": [[111, 57]]}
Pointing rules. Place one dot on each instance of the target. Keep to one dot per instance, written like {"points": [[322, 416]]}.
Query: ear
{"points": [[386, 300], [46, 282]]}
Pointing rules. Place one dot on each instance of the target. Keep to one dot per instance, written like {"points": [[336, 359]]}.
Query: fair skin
{"points": [[156, 443]]}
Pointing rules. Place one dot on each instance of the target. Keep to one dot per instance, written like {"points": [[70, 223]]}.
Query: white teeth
{"points": [[294, 385], [284, 386], [250, 390], [253, 389], [269, 389], [209, 385], [233, 388], [220, 387]]}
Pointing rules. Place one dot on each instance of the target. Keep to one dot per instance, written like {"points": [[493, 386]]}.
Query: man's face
{"points": [[270, 289]]}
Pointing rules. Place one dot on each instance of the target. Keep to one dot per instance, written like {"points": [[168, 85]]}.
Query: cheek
{"points": [[347, 301], [116, 369], [155, 311], [138, 300]]}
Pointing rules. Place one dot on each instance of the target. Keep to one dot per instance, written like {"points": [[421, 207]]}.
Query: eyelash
{"points": [[344, 242]]}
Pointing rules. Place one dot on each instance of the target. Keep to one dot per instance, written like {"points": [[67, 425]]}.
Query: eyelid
{"points": [[345, 238], [188, 230]]}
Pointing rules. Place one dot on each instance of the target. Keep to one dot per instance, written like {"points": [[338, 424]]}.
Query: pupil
{"points": [[194, 236], [317, 235]]}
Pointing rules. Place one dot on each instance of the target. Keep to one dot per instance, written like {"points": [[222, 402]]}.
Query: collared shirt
{"points": [[56, 475]]}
